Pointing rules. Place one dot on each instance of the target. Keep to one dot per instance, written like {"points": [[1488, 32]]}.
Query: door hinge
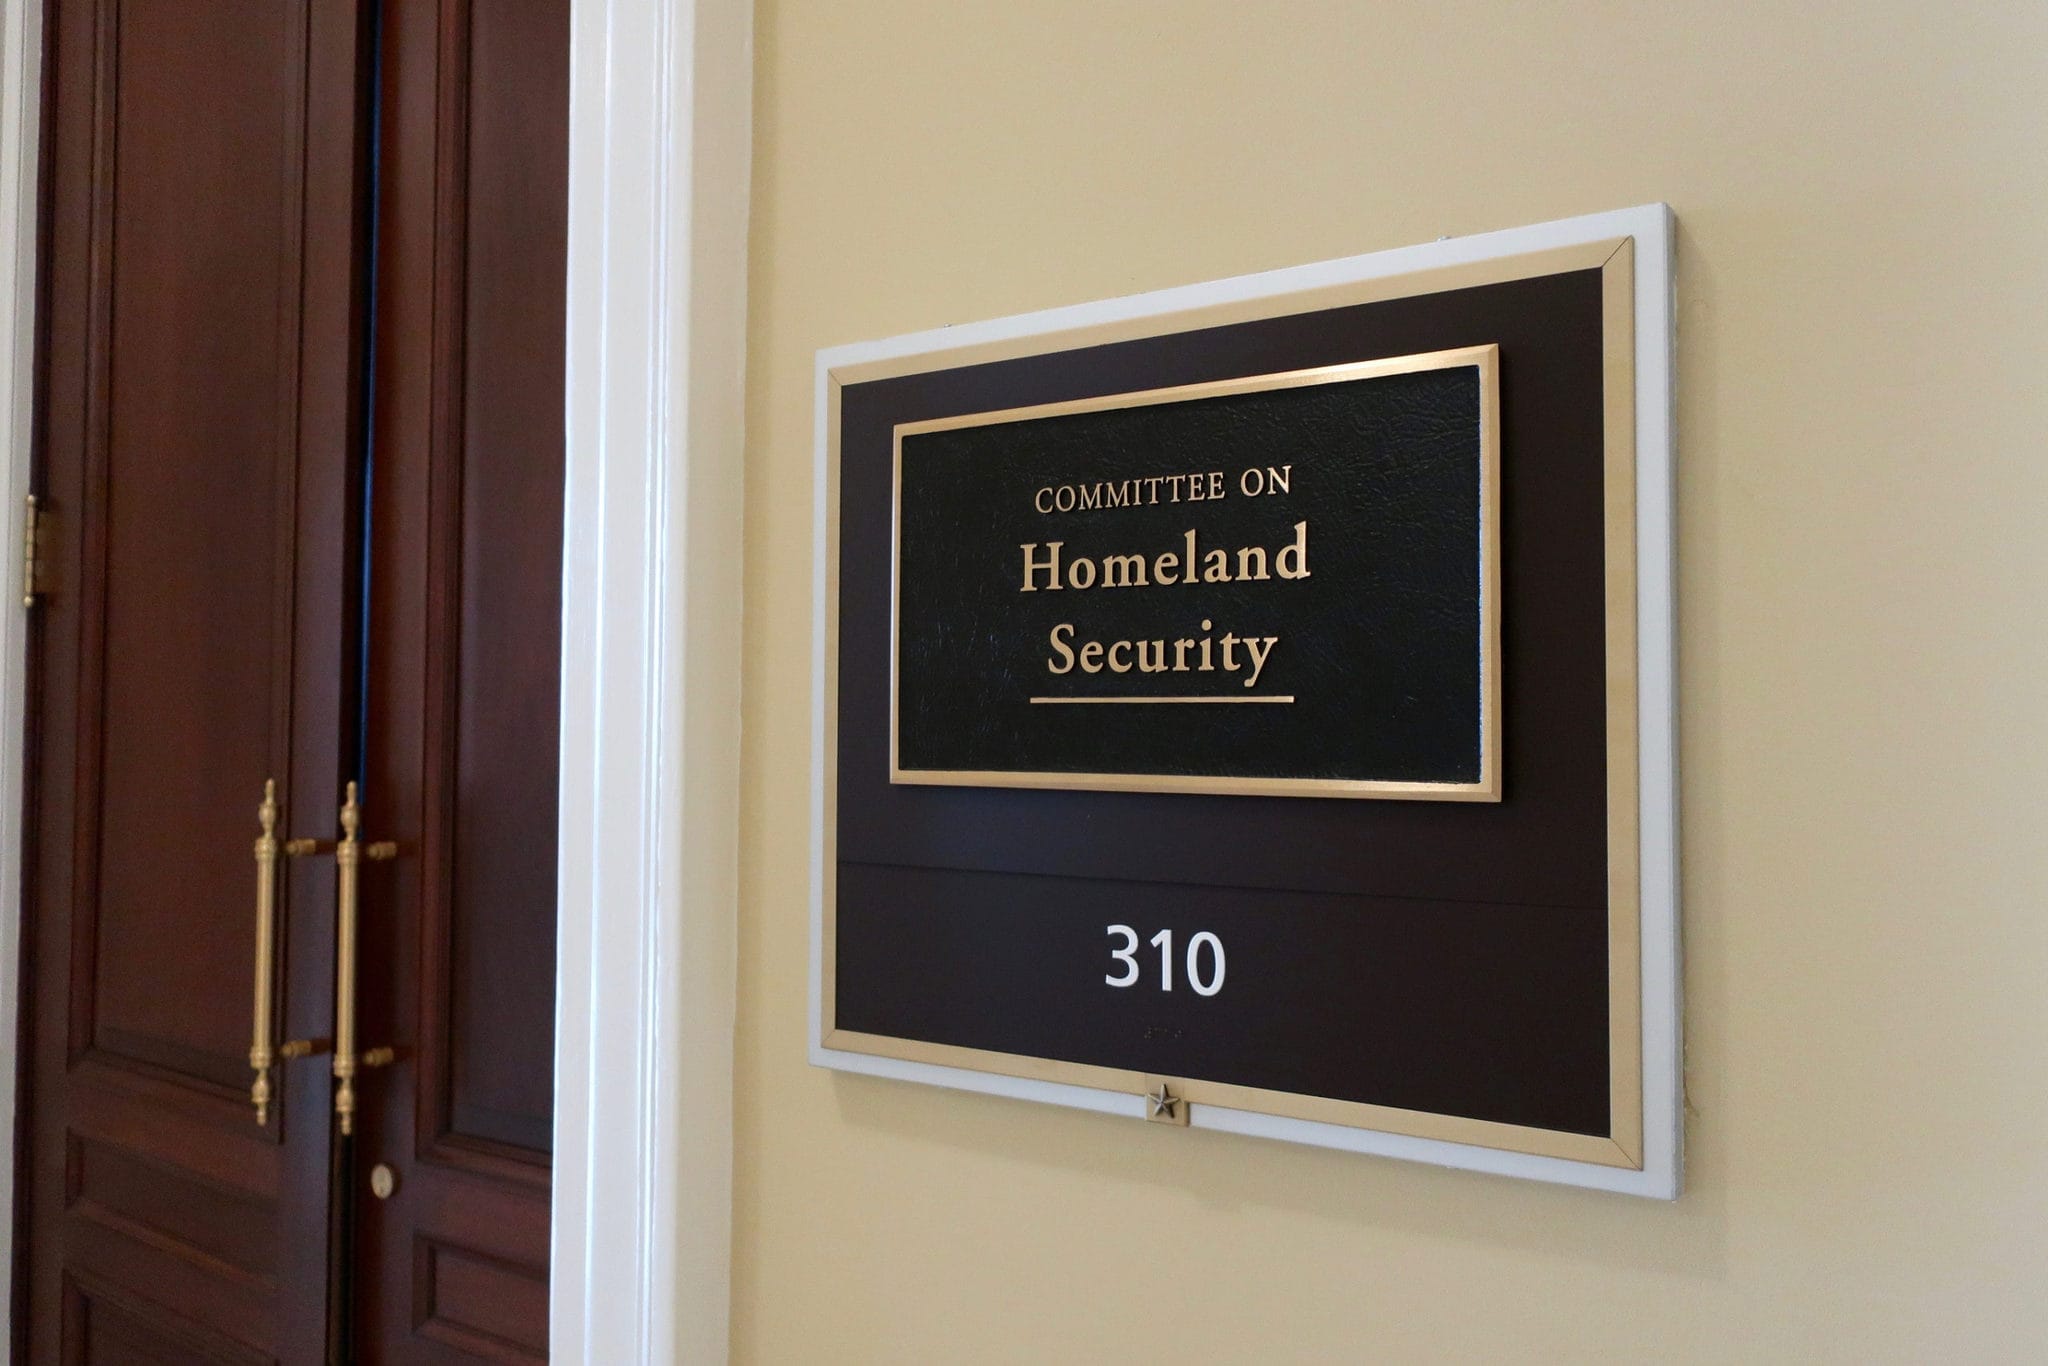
{"points": [[31, 543]]}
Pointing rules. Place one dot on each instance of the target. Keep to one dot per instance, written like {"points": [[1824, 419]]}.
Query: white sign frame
{"points": [[1651, 227]]}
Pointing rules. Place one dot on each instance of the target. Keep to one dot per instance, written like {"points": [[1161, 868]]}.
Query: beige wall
{"points": [[1863, 213]]}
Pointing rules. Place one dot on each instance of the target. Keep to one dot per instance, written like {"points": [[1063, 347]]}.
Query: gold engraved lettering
{"points": [[1230, 653]]}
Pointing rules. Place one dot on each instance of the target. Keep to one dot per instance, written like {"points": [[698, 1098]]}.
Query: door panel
{"points": [[197, 421], [194, 198], [480, 1305], [463, 680], [105, 1327], [499, 913]]}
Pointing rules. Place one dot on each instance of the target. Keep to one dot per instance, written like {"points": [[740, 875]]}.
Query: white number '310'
{"points": [[1127, 958]]}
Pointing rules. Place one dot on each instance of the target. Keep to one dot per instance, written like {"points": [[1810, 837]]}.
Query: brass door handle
{"points": [[262, 1054], [348, 857]]}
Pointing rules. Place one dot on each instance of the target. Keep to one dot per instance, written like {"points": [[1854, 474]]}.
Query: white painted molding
{"points": [[21, 94], [659, 154], [1651, 227]]}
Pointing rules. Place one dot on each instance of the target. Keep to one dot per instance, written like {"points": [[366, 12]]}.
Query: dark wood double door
{"points": [[299, 448]]}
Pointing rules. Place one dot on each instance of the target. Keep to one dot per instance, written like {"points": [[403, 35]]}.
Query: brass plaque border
{"points": [[1614, 257], [1485, 359]]}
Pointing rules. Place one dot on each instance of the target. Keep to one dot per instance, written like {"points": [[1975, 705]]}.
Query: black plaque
{"points": [[993, 867], [1280, 584]]}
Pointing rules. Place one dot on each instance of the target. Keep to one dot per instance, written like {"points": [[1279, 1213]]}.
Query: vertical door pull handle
{"points": [[348, 858], [262, 1053]]}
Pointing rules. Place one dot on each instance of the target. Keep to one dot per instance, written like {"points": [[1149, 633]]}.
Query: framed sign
{"points": [[1373, 659], [1249, 706]]}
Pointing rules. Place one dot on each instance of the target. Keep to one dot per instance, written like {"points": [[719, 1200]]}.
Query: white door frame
{"points": [[659, 153]]}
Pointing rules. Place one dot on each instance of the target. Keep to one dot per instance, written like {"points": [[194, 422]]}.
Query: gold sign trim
{"points": [[1485, 359], [1615, 259]]}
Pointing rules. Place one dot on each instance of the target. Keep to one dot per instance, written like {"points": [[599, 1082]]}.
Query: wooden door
{"points": [[199, 427], [226, 468], [463, 672]]}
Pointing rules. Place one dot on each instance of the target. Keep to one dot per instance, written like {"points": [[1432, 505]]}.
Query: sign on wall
{"points": [[1249, 706]]}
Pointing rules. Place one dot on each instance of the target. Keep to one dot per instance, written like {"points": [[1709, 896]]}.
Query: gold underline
{"points": [[1267, 698]]}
